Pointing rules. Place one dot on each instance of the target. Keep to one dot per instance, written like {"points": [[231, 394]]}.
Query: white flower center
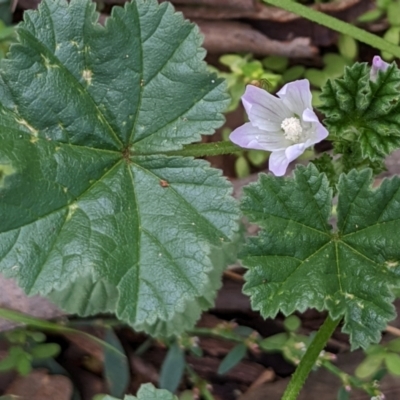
{"points": [[292, 129]]}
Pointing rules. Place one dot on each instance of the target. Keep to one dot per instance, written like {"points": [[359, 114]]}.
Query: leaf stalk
{"points": [[310, 357], [206, 149]]}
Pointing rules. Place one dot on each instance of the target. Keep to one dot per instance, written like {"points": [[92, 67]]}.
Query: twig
{"points": [[393, 330], [243, 38], [234, 276]]}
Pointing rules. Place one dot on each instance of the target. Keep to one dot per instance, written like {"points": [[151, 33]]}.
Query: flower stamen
{"points": [[292, 129]]}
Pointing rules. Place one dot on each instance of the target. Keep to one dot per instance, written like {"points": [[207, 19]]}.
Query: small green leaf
{"points": [[379, 375], [236, 91], [147, 392], [274, 342], [296, 261], [276, 63], [370, 16], [38, 323], [244, 331], [348, 47], [225, 133], [116, 369], [46, 350], [172, 368], [196, 351], [325, 165], [374, 349], [271, 80], [393, 13], [242, 167], [38, 337], [292, 323], [232, 358], [363, 117], [383, 4], [392, 362], [343, 394], [316, 100], [369, 366], [252, 69], [334, 65], [188, 395], [8, 363], [257, 157], [293, 73], [394, 345], [233, 61], [392, 35], [17, 336], [6, 32], [24, 365], [316, 77], [6, 12]]}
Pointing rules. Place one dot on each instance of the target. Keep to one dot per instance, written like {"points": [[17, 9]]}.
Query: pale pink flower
{"points": [[286, 126], [377, 65]]}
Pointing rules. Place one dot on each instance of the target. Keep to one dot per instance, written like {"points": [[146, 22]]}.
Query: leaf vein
{"points": [[169, 59], [370, 227], [195, 103], [360, 254], [75, 83], [13, 245], [42, 264], [137, 264], [270, 215], [67, 205], [140, 50], [282, 283], [200, 216], [171, 259]]}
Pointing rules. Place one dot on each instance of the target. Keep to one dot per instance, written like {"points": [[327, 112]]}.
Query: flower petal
{"points": [[295, 151], [264, 110], [278, 163], [317, 131], [296, 96], [377, 65], [250, 137]]}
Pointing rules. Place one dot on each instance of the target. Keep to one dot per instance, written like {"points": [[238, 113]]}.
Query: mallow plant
{"points": [[104, 206]]}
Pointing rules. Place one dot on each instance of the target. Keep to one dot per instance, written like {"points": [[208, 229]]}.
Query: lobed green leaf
{"points": [[91, 213], [297, 261], [363, 116]]}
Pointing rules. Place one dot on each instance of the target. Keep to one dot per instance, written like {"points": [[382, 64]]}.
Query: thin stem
{"points": [[99, 322], [337, 25], [37, 323], [200, 384], [352, 381], [144, 347], [310, 357], [227, 335], [206, 149]]}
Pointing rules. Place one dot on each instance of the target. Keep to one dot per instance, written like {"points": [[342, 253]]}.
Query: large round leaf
{"points": [[91, 212]]}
